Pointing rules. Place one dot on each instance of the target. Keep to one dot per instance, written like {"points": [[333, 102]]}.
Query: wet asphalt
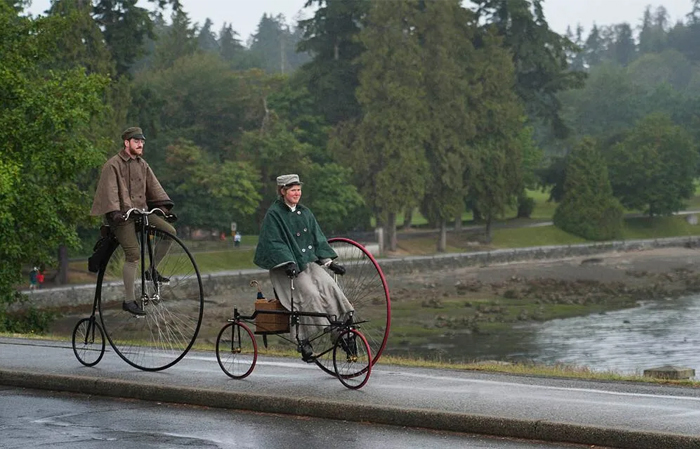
{"points": [[612, 414]]}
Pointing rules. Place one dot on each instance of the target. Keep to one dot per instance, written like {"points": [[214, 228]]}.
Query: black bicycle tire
{"points": [[105, 327], [219, 355], [76, 351]]}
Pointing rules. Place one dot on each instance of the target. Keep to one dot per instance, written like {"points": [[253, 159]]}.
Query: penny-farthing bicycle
{"points": [[344, 350], [168, 288]]}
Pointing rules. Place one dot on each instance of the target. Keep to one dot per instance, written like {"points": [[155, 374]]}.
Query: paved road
{"points": [[40, 418], [625, 415]]}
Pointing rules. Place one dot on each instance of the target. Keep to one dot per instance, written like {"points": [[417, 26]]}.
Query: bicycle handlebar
{"points": [[138, 211]]}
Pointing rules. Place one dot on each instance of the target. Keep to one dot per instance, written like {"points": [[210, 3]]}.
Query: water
{"points": [[625, 341], [628, 341]]}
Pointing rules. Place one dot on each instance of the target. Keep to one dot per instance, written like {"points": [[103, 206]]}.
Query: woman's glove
{"points": [[337, 268], [117, 217], [291, 269]]}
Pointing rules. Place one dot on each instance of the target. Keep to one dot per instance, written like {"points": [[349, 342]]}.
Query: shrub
{"points": [[588, 208]]}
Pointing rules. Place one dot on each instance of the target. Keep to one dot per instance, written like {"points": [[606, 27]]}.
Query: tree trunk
{"points": [[488, 229], [442, 238], [407, 219], [477, 215], [62, 275], [391, 231]]}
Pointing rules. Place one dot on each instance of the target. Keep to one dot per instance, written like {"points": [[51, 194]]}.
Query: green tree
{"points": [[539, 56], [206, 38], [594, 49], [653, 34], [609, 103], [178, 40], [82, 45], [210, 194], [199, 98], [495, 175], [668, 67], [126, 27], [588, 208], [47, 143], [335, 201], [624, 48], [694, 14], [274, 44], [446, 36], [274, 150], [330, 37], [387, 154], [229, 43], [652, 168], [234, 53]]}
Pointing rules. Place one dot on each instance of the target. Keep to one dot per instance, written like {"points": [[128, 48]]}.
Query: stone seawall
{"points": [[238, 282]]}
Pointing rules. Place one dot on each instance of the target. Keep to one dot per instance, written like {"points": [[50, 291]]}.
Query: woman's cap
{"points": [[288, 180]]}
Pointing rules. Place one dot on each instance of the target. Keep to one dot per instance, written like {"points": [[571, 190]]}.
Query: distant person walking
{"points": [[33, 278], [237, 239], [40, 278]]}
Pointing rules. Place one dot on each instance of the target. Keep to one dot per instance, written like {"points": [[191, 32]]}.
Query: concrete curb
{"points": [[319, 408]]}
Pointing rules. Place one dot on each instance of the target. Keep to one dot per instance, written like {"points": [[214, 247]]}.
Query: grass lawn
{"points": [[537, 236], [213, 255]]}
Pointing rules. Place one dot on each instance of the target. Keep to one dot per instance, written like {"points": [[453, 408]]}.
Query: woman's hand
{"points": [[291, 269], [337, 268]]}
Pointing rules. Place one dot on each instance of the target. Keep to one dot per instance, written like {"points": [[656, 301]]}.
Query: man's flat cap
{"points": [[133, 133]]}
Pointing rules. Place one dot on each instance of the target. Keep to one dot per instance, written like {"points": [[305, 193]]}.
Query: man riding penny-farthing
{"points": [[339, 312]]}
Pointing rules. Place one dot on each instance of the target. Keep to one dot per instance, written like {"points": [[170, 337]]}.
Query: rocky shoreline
{"points": [[480, 298], [491, 299]]}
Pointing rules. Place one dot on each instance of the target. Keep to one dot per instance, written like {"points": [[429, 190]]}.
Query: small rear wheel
{"points": [[88, 341], [352, 359], [236, 350]]}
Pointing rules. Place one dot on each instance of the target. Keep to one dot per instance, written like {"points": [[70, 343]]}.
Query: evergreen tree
{"points": [[274, 44], [330, 37], [446, 36], [229, 43], [624, 49], [178, 40], [83, 43], [577, 57], [539, 56], [206, 38], [646, 32], [588, 208], [594, 48], [694, 14], [495, 172], [125, 27], [387, 154]]}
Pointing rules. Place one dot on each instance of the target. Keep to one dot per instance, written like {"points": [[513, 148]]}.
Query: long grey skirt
{"points": [[314, 291]]}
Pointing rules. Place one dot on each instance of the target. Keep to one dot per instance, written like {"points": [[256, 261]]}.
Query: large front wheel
{"points": [[171, 297], [236, 350], [366, 288]]}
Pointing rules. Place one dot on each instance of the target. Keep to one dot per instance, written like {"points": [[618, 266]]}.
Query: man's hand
{"points": [[170, 217], [117, 217], [291, 269], [337, 268]]}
